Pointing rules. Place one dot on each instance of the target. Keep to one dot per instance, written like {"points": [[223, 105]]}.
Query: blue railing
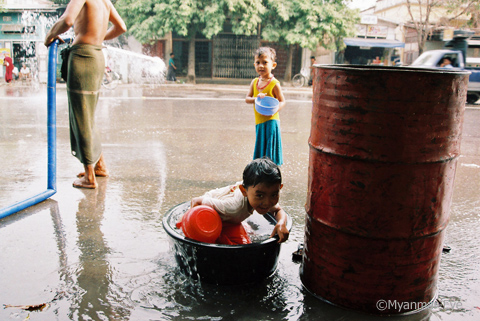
{"points": [[52, 139]]}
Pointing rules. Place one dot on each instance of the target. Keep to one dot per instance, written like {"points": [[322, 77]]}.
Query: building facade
{"points": [[396, 15], [22, 33], [376, 42], [226, 55]]}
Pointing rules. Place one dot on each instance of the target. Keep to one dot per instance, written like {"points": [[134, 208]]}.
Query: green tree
{"points": [[420, 12], [308, 23], [421, 19], [149, 20], [467, 7]]}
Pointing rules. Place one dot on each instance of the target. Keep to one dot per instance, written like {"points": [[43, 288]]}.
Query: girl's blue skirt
{"points": [[268, 141]]}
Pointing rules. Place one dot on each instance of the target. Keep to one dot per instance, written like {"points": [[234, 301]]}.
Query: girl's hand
{"points": [[261, 95]]}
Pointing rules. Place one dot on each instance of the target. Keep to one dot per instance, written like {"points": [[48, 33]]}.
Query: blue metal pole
{"points": [[51, 140], [52, 116]]}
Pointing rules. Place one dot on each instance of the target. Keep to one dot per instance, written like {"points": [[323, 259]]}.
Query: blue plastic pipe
{"points": [[52, 139], [52, 117]]}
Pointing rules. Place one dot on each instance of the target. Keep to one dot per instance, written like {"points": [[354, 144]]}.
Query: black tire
{"points": [[298, 80]]}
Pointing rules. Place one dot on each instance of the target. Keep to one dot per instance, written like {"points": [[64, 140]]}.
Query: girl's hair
{"points": [[261, 170], [266, 51]]}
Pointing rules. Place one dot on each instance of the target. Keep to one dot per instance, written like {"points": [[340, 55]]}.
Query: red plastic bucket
{"points": [[201, 223], [383, 150]]}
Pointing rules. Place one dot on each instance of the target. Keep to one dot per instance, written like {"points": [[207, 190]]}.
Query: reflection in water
{"points": [[142, 187], [17, 145], [98, 298], [461, 263], [61, 241], [58, 288]]}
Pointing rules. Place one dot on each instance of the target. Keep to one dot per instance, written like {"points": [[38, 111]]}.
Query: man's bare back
{"points": [[90, 20], [91, 24]]}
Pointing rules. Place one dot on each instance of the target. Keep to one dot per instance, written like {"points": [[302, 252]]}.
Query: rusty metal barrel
{"points": [[383, 149]]}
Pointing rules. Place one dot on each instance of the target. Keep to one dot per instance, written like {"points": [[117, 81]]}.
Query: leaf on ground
{"points": [[34, 307]]}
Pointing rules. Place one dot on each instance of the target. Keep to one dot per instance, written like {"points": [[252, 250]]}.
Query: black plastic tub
{"points": [[225, 264]]}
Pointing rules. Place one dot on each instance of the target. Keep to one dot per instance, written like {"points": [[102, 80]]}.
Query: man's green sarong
{"points": [[86, 65]]}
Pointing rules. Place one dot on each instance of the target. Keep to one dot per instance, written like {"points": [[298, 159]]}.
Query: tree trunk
{"points": [[288, 68], [191, 61]]}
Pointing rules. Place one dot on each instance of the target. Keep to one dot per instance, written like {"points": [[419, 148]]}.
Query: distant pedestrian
{"points": [[24, 72], [171, 68], [8, 63], [15, 73], [377, 61], [268, 140], [313, 61]]}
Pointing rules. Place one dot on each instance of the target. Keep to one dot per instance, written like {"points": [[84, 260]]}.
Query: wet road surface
{"points": [[103, 254]]}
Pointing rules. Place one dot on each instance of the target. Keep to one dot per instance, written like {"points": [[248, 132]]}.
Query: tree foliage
{"points": [[303, 22], [420, 18], [469, 7], [309, 23], [149, 20], [291, 22]]}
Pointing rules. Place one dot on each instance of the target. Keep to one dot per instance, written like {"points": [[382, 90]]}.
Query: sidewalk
{"points": [[206, 84]]}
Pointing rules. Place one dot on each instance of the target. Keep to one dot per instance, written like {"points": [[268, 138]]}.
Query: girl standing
{"points": [[268, 141]]}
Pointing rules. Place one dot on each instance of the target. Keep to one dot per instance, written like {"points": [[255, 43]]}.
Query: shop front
{"points": [[364, 51], [22, 32]]}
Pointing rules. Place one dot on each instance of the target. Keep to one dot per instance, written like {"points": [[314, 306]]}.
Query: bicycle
{"points": [[110, 79], [301, 79]]}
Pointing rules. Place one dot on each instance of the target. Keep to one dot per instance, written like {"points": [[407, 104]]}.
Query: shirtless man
{"points": [[90, 20]]}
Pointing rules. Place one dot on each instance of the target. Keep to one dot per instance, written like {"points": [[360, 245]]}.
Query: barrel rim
{"points": [[363, 68]]}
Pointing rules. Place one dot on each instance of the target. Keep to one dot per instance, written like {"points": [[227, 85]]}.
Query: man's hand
{"points": [[49, 41]]}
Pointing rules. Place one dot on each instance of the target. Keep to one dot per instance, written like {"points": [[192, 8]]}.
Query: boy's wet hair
{"points": [[266, 51], [261, 170]]}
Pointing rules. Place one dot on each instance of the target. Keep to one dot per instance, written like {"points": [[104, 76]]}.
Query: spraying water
{"points": [[134, 67], [131, 66]]}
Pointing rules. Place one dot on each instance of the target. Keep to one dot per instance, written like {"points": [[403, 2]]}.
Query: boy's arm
{"points": [[281, 226], [213, 199], [278, 93], [196, 201]]}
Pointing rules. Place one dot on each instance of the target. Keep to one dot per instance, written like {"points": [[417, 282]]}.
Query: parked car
{"points": [[434, 58]]}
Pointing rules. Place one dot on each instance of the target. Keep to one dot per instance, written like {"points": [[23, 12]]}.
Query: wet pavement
{"points": [[104, 255]]}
